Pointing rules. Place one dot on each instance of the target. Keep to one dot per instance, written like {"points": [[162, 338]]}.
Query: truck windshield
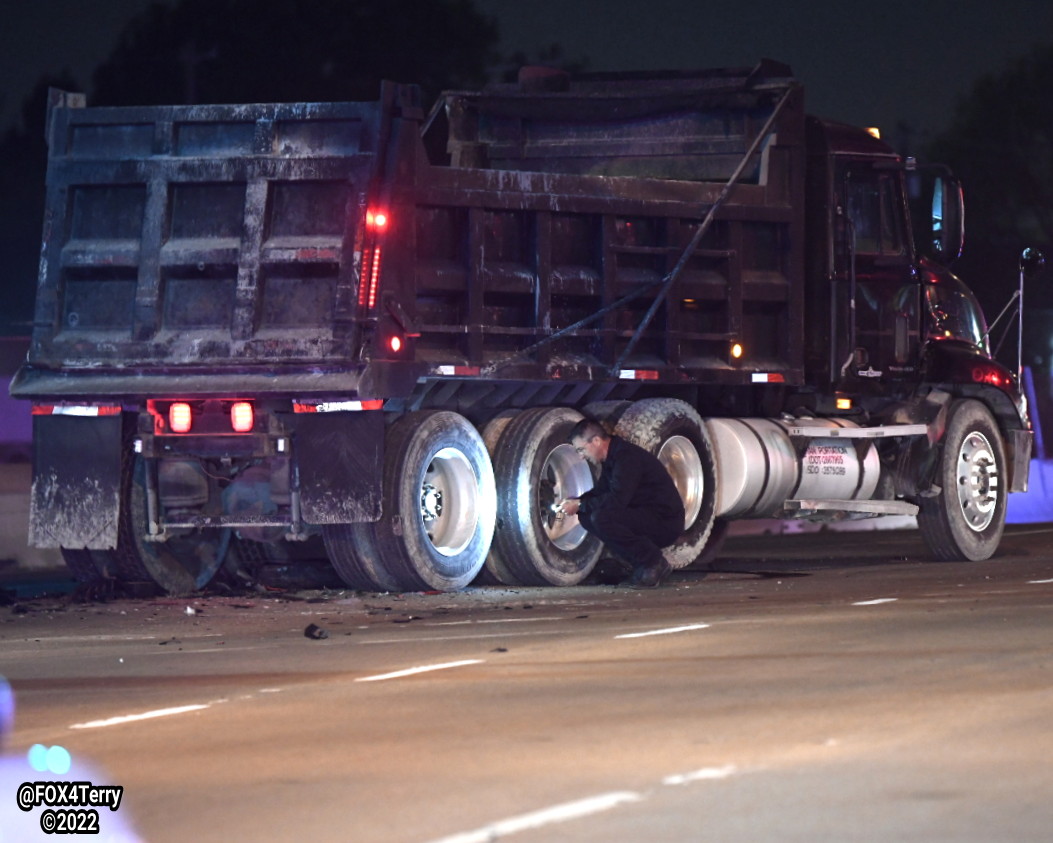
{"points": [[956, 315]]}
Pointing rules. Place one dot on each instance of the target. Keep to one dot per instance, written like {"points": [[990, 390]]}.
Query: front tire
{"points": [[966, 519]]}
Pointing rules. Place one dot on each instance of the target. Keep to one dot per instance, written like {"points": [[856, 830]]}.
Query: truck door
{"points": [[876, 293]]}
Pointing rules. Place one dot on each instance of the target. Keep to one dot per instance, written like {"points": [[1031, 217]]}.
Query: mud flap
{"points": [[76, 494], [1019, 445], [340, 457]]}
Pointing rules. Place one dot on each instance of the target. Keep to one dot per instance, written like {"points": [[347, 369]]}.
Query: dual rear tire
{"points": [[438, 510], [458, 504]]}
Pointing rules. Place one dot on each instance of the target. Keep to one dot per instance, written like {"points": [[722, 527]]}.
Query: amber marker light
{"points": [[736, 350]]}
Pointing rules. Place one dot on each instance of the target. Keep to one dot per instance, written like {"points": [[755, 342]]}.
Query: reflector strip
{"points": [[767, 377], [462, 371], [337, 406], [52, 410], [638, 374]]}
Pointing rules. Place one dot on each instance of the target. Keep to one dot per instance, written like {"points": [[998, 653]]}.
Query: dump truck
{"points": [[371, 326]]}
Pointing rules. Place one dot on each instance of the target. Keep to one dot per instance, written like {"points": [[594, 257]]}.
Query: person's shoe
{"points": [[651, 576]]}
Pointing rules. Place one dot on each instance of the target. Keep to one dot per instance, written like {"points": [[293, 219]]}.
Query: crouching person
{"points": [[634, 508]]}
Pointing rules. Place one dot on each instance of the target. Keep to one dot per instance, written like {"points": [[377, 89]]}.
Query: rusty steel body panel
{"points": [[196, 250]]}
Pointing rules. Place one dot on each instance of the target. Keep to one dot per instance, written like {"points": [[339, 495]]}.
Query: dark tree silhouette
{"points": [[1000, 143], [23, 159], [202, 51], [206, 51]]}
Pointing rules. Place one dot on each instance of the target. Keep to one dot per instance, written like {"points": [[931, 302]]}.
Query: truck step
{"points": [[835, 510]]}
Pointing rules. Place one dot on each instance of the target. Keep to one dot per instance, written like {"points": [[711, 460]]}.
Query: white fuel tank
{"points": [[759, 467]]}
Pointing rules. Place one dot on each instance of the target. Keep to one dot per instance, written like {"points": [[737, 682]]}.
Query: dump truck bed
{"points": [[633, 224], [216, 246]]}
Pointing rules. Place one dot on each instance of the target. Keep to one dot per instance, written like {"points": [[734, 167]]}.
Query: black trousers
{"points": [[635, 535]]}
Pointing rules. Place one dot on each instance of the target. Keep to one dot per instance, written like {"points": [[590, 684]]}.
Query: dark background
{"points": [[965, 82]]}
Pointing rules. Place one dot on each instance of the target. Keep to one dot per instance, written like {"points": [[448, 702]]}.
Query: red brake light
{"points": [[242, 417], [179, 417], [377, 220], [395, 343]]}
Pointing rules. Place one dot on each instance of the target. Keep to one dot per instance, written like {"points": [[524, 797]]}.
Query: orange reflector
{"points": [[241, 417], [179, 417]]}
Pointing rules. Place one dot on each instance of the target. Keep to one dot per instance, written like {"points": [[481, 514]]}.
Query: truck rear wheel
{"points": [[966, 519], [607, 413], [535, 468], [439, 502], [495, 570], [184, 563], [353, 554], [82, 563], [672, 431]]}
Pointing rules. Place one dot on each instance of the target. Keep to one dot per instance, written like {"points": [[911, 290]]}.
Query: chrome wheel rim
{"points": [[680, 458], [979, 482], [449, 501], [564, 475]]}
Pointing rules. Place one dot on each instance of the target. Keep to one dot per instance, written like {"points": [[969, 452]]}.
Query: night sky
{"points": [[870, 63]]}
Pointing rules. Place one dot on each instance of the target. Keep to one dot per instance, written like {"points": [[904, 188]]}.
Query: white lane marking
{"points": [[876, 602], [705, 774], [90, 638], [398, 674], [668, 631], [500, 620], [546, 816], [1039, 582], [463, 637], [214, 649], [146, 715]]}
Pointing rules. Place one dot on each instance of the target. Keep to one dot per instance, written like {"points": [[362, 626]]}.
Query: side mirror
{"points": [[939, 213], [1031, 262], [947, 219]]}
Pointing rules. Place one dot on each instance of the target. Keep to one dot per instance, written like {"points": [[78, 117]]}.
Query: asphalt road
{"points": [[823, 687]]}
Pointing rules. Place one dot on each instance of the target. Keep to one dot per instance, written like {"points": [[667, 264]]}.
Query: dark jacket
{"points": [[632, 478]]}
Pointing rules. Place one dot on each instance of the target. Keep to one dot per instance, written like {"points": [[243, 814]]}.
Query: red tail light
{"points": [[179, 417], [367, 289], [242, 417], [376, 222]]}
